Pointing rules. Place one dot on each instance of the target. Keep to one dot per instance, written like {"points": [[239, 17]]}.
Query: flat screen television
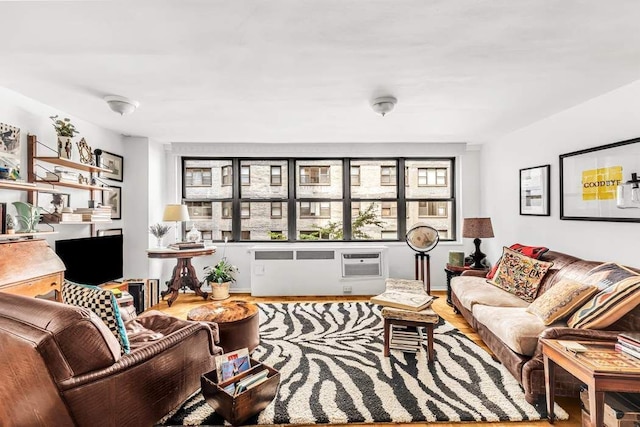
{"points": [[92, 260]]}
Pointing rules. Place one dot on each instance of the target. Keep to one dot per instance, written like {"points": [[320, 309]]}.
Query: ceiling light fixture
{"points": [[384, 104], [121, 105]]}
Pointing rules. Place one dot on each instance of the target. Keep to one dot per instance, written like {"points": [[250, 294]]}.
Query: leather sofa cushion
{"points": [[472, 290], [514, 326]]}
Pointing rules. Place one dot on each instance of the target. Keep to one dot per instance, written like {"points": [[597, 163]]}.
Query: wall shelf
{"points": [[71, 164], [69, 184], [18, 236]]}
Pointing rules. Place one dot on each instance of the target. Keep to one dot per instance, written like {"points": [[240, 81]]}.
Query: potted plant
{"points": [[159, 231], [220, 277], [65, 131]]}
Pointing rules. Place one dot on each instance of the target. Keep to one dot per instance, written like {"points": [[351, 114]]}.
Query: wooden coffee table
{"points": [[396, 316], [601, 368], [238, 323]]}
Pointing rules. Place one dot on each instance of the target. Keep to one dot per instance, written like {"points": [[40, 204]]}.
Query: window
{"points": [[197, 177], [199, 210], [276, 175], [245, 210], [315, 209], [227, 209], [432, 209], [355, 209], [276, 209], [277, 235], [355, 175], [245, 175], [245, 235], [389, 209], [226, 235], [432, 177], [227, 173], [314, 175], [389, 234], [388, 175], [406, 176], [313, 235]]}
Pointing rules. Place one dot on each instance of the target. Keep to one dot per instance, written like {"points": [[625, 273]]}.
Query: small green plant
{"points": [[222, 272], [63, 127], [159, 230]]}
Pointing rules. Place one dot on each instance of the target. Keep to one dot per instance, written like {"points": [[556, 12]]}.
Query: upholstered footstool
{"points": [[238, 323], [396, 316]]}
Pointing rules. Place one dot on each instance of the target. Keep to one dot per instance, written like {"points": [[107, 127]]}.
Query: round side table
{"points": [[238, 323]]}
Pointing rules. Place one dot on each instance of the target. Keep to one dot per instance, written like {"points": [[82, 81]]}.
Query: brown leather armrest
{"points": [[475, 273], [166, 324]]}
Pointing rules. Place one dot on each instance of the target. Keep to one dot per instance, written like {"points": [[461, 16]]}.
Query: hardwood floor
{"points": [[186, 302]]}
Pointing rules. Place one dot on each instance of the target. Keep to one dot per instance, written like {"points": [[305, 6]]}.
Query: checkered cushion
{"points": [[103, 303]]}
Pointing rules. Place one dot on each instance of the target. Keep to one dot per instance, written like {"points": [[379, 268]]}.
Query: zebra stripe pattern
{"points": [[332, 371]]}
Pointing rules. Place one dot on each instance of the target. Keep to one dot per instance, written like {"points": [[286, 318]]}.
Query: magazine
{"points": [[235, 361]]}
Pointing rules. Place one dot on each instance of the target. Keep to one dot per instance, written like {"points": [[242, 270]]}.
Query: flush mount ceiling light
{"points": [[121, 105], [384, 105]]}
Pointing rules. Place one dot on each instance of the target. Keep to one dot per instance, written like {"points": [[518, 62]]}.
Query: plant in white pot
{"points": [[220, 277], [65, 131]]}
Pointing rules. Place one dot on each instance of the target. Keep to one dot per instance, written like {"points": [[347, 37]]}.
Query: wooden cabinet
{"points": [[29, 267]]}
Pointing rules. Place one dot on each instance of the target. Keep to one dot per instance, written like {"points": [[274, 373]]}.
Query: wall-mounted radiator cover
{"points": [[318, 271]]}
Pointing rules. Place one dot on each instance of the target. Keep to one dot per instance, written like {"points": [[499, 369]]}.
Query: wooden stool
{"points": [[396, 316]]}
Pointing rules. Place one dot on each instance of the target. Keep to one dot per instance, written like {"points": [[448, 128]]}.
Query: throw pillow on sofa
{"points": [[520, 274], [534, 252], [102, 302], [612, 302], [561, 300]]}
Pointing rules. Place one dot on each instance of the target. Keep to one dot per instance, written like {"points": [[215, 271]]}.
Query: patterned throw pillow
{"points": [[519, 274], [534, 252], [614, 301], [561, 300], [103, 303]]}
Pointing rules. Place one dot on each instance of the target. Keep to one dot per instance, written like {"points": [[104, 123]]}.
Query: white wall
{"points": [[32, 117], [606, 119], [401, 258]]}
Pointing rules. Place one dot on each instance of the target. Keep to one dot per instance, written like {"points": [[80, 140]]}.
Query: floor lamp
{"points": [[176, 213]]}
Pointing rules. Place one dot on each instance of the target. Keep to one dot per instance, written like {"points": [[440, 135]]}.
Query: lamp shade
{"points": [[176, 213], [477, 227]]}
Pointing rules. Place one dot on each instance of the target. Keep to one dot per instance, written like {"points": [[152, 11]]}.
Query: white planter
{"points": [[64, 147], [219, 291]]}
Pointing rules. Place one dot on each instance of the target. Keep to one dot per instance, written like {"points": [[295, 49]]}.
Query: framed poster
{"points": [[534, 191], [109, 232], [113, 162], [592, 182], [113, 197]]}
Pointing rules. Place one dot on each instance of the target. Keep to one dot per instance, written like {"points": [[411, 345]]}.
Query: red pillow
{"points": [[534, 252]]}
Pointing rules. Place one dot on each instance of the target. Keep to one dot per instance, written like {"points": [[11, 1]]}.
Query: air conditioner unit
{"points": [[362, 264]]}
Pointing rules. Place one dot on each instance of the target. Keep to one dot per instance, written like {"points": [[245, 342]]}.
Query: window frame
{"points": [[203, 183]]}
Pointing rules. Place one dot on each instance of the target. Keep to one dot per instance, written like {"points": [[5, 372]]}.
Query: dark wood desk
{"points": [[183, 273], [601, 368]]}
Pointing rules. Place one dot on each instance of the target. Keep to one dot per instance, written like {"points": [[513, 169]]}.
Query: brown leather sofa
{"points": [[60, 365], [528, 369]]}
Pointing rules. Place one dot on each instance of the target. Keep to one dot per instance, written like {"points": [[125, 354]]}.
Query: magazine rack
{"points": [[237, 409]]}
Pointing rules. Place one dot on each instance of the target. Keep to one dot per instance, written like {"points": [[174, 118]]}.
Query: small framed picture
{"points": [[113, 197], [54, 203], [534, 191], [113, 162], [109, 232]]}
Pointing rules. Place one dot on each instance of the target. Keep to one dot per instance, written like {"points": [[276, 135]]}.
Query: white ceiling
{"points": [[306, 70]]}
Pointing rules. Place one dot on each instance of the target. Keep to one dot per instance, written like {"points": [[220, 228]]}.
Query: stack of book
{"points": [[101, 213], [55, 218], [62, 176], [247, 383], [186, 245], [406, 338], [629, 343]]}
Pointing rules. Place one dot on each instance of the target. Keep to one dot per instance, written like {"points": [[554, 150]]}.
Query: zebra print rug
{"points": [[333, 371]]}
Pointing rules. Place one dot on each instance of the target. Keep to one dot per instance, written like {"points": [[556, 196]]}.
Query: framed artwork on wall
{"points": [[601, 184], [113, 197], [113, 162], [109, 232], [535, 198]]}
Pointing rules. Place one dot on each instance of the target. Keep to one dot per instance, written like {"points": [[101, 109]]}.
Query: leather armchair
{"points": [[61, 366]]}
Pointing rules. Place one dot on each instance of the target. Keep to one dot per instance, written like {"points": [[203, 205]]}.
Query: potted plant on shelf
{"points": [[65, 131], [220, 277], [159, 231]]}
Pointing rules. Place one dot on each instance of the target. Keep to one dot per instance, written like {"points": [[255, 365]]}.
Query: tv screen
{"points": [[91, 260]]}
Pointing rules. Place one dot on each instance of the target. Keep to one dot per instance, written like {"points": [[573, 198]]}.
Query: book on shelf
{"points": [[223, 359], [402, 300], [186, 245], [630, 337]]}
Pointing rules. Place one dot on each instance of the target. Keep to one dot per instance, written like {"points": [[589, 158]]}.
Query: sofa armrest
{"points": [[475, 273], [160, 322]]}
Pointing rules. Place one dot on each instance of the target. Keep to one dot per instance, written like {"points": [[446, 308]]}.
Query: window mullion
{"points": [[291, 200], [236, 220], [401, 207], [346, 200]]}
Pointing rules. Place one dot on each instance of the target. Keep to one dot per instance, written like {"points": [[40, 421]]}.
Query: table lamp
{"points": [[476, 228], [176, 213]]}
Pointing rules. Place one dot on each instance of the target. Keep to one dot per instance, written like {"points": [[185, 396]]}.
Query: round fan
{"points": [[422, 237]]}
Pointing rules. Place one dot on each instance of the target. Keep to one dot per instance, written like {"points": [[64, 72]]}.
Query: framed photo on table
{"points": [[113, 198], [113, 162], [596, 184], [534, 191]]}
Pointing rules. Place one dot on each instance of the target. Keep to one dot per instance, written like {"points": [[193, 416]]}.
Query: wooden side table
{"points": [[454, 271], [601, 368]]}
